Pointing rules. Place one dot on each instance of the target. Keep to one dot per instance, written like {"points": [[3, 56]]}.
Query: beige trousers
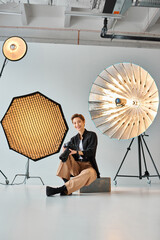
{"points": [[83, 172]]}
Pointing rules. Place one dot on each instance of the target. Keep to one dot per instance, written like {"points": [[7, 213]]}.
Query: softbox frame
{"points": [[34, 126]]}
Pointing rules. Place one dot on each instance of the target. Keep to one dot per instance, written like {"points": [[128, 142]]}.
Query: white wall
{"points": [[65, 74]]}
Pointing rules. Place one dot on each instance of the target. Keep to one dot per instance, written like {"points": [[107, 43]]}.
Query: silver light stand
{"points": [[141, 144], [9, 57], [7, 182], [26, 175]]}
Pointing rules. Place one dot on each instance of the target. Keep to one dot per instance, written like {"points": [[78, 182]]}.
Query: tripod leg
{"points": [[26, 175], [3, 174], [21, 175], [146, 174], [41, 180], [38, 178], [7, 182], [129, 148], [151, 157], [139, 157]]}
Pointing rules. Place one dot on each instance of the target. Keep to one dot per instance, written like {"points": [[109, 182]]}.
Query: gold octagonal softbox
{"points": [[34, 126], [123, 101]]}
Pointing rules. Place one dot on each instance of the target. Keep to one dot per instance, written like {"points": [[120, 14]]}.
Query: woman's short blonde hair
{"points": [[76, 115]]}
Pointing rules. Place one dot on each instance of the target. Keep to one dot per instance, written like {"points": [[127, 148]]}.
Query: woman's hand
{"points": [[72, 152]]}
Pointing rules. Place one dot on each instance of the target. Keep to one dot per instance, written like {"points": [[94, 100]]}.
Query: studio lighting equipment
{"points": [[14, 49], [35, 127], [7, 182], [123, 103], [105, 28]]}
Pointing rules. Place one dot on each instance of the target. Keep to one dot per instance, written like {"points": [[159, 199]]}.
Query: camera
{"points": [[66, 152]]}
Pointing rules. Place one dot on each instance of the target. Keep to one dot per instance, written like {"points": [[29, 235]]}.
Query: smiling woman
{"points": [[81, 162]]}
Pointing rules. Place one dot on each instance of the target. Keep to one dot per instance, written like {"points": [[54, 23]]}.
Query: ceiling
{"points": [[132, 23]]}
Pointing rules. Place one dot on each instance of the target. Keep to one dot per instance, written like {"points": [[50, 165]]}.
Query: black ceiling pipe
{"points": [[130, 37]]}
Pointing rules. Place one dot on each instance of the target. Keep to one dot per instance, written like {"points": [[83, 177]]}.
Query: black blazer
{"points": [[89, 143]]}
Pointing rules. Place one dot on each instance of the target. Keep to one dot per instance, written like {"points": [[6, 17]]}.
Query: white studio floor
{"points": [[127, 213]]}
